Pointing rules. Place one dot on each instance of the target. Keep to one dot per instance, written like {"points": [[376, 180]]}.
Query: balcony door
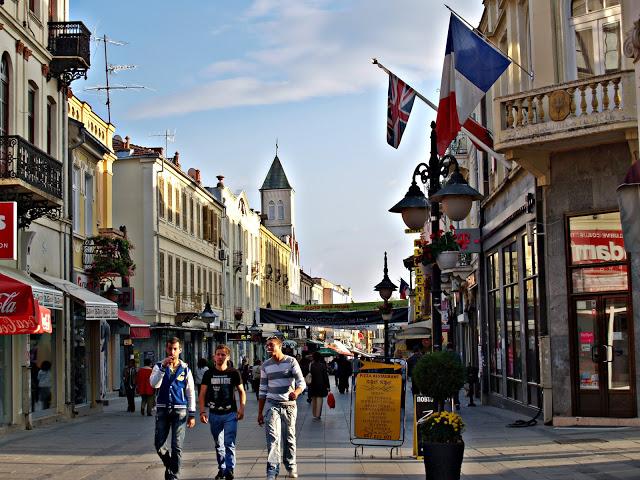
{"points": [[602, 339], [598, 38]]}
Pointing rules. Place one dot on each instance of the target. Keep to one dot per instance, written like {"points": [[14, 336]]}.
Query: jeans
{"points": [[277, 413], [131, 399], [148, 401], [176, 421], [223, 429]]}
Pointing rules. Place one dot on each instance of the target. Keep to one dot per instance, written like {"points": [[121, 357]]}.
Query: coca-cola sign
{"points": [[8, 230], [20, 313], [8, 302]]}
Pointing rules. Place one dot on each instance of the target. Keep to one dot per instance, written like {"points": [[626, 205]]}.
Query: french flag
{"points": [[471, 66]]}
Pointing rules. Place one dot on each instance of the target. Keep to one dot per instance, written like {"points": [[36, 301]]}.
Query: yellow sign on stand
{"points": [[378, 405]]}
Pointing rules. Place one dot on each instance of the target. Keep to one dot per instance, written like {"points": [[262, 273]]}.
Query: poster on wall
{"points": [[8, 231]]}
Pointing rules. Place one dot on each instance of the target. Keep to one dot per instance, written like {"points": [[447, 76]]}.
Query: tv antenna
{"points": [[168, 137], [110, 69]]}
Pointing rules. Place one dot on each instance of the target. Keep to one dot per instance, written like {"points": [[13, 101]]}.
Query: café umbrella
{"points": [[20, 313]]}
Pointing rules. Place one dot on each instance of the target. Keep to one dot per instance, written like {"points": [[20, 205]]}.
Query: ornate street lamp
{"points": [[208, 315], [386, 288], [456, 198]]}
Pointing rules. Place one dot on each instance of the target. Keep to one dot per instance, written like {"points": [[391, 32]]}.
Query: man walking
{"points": [[217, 393], [146, 391], [281, 382], [129, 382], [176, 406]]}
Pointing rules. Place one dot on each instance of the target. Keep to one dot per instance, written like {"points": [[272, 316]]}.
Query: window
{"points": [[597, 37], [210, 289], [531, 317], [32, 6], [76, 200], [4, 96], [272, 210], [193, 279], [161, 205], [161, 275], [512, 320], [170, 275], [169, 202], [31, 115], [280, 210], [199, 279], [495, 321], [51, 118], [184, 209], [184, 278], [178, 276], [53, 10], [88, 205], [192, 222], [177, 207]]}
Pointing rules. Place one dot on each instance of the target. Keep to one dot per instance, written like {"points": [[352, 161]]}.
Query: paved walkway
{"points": [[118, 445]]}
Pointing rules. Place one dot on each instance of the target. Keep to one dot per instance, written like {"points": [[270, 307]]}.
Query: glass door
{"points": [[603, 358]]}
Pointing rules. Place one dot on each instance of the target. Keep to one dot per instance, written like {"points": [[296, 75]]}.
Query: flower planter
{"points": [[443, 461], [447, 260]]}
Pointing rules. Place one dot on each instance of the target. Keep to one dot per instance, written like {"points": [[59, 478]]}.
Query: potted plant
{"points": [[445, 246], [440, 375]]}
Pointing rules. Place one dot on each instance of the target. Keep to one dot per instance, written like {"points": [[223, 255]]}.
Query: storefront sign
{"points": [[378, 411], [423, 406], [8, 230], [20, 313]]}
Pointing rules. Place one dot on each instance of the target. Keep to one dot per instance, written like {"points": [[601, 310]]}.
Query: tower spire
{"points": [[276, 146]]}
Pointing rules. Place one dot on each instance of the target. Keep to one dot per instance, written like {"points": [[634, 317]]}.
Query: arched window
{"points": [[272, 210], [4, 96], [280, 210], [598, 37]]}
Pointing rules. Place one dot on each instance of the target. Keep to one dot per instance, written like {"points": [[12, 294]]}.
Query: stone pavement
{"points": [[118, 445]]}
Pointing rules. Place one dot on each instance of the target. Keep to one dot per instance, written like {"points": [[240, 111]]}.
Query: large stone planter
{"points": [[447, 260], [443, 461]]}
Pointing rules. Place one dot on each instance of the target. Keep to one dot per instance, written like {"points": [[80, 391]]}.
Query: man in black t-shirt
{"points": [[217, 393]]}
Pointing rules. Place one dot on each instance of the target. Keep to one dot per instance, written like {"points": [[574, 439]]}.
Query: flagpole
{"points": [[484, 37], [498, 156]]}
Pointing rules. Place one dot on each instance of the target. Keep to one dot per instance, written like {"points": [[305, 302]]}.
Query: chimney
{"points": [[126, 142], [176, 159], [197, 177], [220, 181]]}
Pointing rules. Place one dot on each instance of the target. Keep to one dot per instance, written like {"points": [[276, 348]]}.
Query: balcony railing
{"points": [[189, 303], [580, 107], [23, 161], [69, 43]]}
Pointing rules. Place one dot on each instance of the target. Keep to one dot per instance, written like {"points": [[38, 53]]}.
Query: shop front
{"points": [[31, 367], [91, 335], [128, 334]]}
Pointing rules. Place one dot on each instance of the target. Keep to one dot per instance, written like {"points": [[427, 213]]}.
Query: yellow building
{"points": [[274, 276]]}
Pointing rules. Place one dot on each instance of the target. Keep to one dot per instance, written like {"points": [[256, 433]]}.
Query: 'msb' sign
{"points": [[8, 230]]}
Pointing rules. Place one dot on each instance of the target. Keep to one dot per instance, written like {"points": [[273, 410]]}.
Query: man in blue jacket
{"points": [[175, 407]]}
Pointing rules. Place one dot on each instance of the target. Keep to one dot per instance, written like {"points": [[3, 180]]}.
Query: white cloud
{"points": [[314, 48]]}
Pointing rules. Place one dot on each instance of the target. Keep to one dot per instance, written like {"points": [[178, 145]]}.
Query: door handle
{"points": [[609, 353], [595, 356]]}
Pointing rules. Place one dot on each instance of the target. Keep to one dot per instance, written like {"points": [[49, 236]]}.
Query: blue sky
{"points": [[231, 76]]}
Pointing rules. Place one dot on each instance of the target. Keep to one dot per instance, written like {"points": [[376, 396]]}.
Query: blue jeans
{"points": [[223, 429], [176, 421], [276, 414]]}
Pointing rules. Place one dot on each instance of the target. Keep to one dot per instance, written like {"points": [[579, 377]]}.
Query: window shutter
{"points": [[205, 223]]}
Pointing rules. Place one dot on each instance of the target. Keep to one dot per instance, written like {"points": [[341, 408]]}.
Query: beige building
{"points": [[274, 276], [175, 225], [41, 52], [559, 318]]}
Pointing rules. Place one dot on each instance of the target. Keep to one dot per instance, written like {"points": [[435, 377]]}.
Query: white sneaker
{"points": [[293, 473]]}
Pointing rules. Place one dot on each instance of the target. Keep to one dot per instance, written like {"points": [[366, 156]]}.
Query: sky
{"points": [[231, 77]]}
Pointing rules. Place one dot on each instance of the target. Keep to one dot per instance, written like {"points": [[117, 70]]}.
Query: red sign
{"points": [[597, 246], [20, 313], [587, 337], [8, 230]]}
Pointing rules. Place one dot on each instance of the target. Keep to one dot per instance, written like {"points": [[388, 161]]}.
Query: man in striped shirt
{"points": [[281, 383]]}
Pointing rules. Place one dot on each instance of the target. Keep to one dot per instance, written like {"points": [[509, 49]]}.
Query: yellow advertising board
{"points": [[378, 405]]}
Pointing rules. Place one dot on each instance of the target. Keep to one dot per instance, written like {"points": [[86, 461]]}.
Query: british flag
{"points": [[401, 97]]}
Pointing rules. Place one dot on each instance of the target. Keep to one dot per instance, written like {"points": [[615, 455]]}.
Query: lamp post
{"points": [[386, 288], [456, 197]]}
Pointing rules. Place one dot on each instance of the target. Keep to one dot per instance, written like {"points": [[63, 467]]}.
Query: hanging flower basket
{"points": [[447, 260]]}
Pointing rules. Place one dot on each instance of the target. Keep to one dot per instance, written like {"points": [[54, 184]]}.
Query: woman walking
{"points": [[319, 387]]}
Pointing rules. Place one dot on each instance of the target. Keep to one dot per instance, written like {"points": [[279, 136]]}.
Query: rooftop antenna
{"points": [[168, 137], [276, 146], [112, 69]]}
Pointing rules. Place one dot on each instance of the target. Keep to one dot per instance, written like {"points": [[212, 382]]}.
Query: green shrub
{"points": [[439, 375]]}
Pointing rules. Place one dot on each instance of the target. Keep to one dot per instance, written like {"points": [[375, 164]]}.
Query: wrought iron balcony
{"points": [[30, 177], [69, 43], [571, 114], [237, 260]]}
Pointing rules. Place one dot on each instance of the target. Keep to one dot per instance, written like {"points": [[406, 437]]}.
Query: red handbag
{"points": [[331, 400]]}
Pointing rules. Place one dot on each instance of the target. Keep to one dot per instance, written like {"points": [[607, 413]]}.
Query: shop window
{"points": [[531, 317], [495, 322]]}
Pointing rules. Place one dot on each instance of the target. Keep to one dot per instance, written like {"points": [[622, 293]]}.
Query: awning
{"points": [[46, 296], [315, 342], [137, 328], [20, 313], [97, 307]]}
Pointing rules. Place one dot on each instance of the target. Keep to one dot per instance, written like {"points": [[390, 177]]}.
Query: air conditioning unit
{"points": [[221, 255]]}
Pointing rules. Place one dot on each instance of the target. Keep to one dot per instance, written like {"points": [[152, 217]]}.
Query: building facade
{"points": [[175, 227], [275, 256]]}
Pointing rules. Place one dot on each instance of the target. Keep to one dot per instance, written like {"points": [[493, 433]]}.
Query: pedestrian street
{"points": [[118, 445]]}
